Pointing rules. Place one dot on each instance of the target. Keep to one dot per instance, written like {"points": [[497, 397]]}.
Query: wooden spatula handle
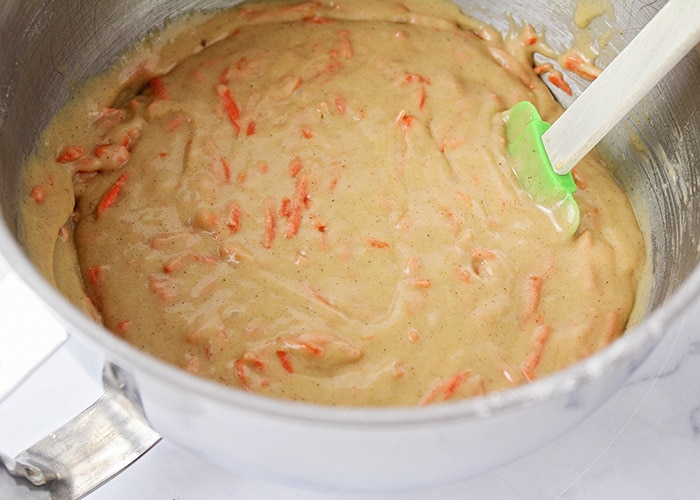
{"points": [[669, 36]]}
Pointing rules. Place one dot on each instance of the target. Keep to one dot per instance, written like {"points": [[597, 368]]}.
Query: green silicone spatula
{"points": [[543, 155]]}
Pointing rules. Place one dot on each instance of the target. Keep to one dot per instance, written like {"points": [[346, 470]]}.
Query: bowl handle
{"points": [[87, 451]]}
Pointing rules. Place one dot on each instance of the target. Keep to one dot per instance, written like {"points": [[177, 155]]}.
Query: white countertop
{"points": [[643, 444]]}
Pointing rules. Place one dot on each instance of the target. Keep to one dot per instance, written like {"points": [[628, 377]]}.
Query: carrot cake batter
{"points": [[313, 201]]}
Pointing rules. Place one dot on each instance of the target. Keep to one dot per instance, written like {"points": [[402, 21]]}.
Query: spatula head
{"points": [[552, 192]]}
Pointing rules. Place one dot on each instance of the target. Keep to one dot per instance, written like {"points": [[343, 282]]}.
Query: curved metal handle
{"points": [[87, 451]]}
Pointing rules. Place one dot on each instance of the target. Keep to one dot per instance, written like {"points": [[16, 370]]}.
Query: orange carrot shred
{"points": [[123, 327], [533, 297], [286, 208], [112, 194], [542, 68], [298, 204], [270, 227], [38, 194], [375, 243], [250, 130], [295, 166], [464, 275], [234, 218], [239, 366], [455, 382], [529, 35], [557, 79], [96, 275], [532, 361], [340, 104], [286, 362], [158, 88], [421, 283], [226, 169], [69, 154], [406, 122], [230, 106]]}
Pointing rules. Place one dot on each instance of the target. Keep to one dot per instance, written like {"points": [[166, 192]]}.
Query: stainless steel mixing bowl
{"points": [[47, 47]]}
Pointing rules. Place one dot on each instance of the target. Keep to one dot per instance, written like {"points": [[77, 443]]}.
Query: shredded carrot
{"points": [[176, 262], [295, 166], [159, 89], [464, 275], [230, 106], [340, 104], [299, 202], [375, 243], [414, 77], [319, 296], [129, 137], [286, 208], [96, 275], [307, 346], [455, 382], [580, 181], [234, 218], [221, 169], [528, 35], [533, 297], [557, 80], [407, 122], [481, 254], [306, 132], [286, 362], [413, 265], [163, 287], [532, 361], [444, 389], [241, 365], [466, 198], [397, 369], [225, 76], [69, 154], [227, 169], [242, 63], [270, 227], [422, 99], [575, 62], [110, 197], [206, 221], [38, 194], [123, 327], [110, 117], [250, 129], [192, 364], [421, 283], [613, 326], [543, 68]]}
